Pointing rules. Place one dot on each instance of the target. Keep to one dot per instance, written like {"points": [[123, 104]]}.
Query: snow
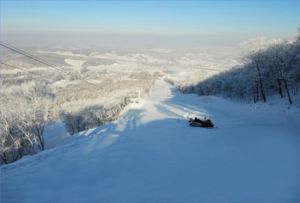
{"points": [[150, 154], [63, 53], [76, 64], [54, 134]]}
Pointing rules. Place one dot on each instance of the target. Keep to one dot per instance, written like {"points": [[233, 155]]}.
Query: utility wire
{"points": [[10, 65], [38, 75], [19, 51]]}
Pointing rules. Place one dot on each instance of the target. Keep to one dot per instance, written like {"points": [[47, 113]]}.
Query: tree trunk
{"points": [[5, 158], [279, 87], [39, 134], [254, 95], [260, 83], [287, 91], [255, 92]]}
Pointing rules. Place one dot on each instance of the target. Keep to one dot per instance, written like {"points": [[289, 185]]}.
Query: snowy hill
{"points": [[151, 155]]}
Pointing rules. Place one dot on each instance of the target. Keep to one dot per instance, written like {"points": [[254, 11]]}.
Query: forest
{"points": [[263, 73], [32, 96]]}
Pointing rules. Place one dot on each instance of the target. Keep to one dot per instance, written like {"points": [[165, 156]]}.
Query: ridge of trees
{"points": [[274, 70]]}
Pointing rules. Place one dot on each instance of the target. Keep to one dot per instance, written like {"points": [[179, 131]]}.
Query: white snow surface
{"points": [[151, 154]]}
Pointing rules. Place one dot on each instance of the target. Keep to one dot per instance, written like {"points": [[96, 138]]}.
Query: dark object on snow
{"points": [[205, 123]]}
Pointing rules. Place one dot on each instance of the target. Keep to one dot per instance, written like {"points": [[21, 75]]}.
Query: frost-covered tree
{"points": [[24, 113], [275, 69]]}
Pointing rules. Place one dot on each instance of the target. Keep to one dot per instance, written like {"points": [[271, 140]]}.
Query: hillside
{"points": [[151, 154], [272, 70]]}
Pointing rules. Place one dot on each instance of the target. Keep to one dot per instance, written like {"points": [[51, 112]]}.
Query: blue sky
{"points": [[165, 18], [157, 17]]}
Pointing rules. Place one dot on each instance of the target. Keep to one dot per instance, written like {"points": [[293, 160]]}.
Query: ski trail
{"points": [[151, 154]]}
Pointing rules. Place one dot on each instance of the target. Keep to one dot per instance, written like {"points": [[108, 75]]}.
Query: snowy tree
{"points": [[24, 115], [264, 72]]}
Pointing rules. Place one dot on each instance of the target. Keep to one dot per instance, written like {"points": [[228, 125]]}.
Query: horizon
{"points": [[146, 23]]}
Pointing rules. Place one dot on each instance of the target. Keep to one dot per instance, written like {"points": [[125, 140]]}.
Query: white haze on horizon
{"points": [[89, 40]]}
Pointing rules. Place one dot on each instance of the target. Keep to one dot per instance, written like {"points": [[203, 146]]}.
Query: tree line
{"points": [[274, 70]]}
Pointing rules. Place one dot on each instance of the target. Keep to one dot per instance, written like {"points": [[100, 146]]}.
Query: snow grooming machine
{"points": [[204, 123]]}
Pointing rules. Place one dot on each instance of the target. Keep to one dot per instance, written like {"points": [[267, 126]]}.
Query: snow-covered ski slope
{"points": [[151, 154]]}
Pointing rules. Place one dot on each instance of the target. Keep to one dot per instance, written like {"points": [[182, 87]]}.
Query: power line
{"points": [[38, 75], [19, 51], [10, 65]]}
